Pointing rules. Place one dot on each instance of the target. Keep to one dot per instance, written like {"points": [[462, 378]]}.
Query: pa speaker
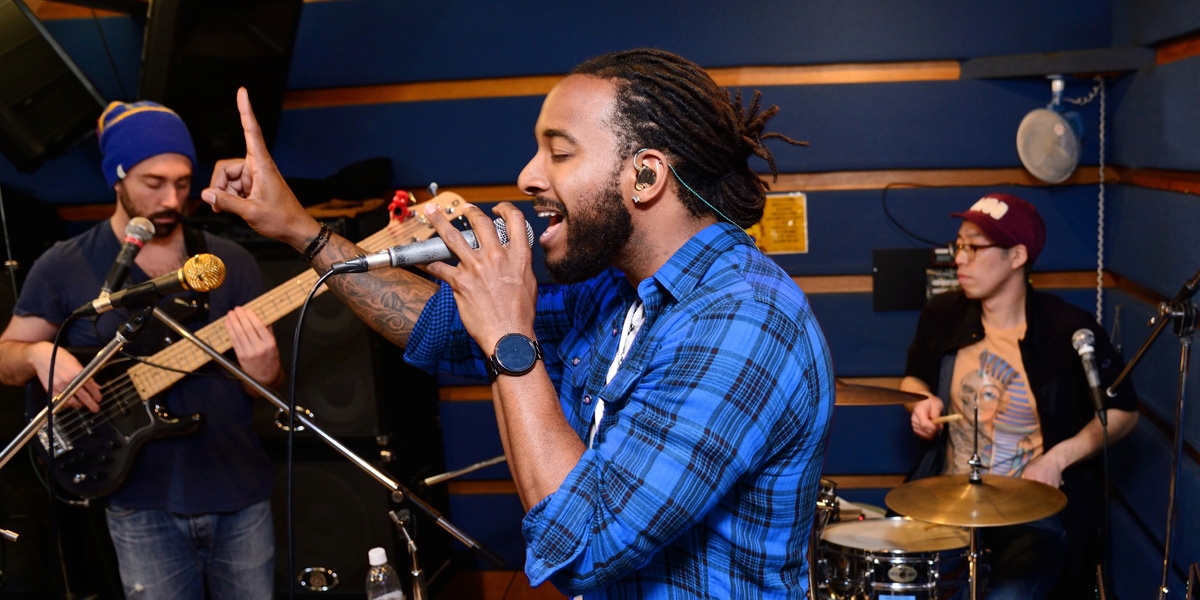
{"points": [[337, 372], [47, 105], [339, 513], [196, 53]]}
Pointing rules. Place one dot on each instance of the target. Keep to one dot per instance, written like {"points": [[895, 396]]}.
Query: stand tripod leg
{"points": [[396, 487]]}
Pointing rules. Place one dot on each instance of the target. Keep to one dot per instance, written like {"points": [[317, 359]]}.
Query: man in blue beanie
{"points": [[194, 511]]}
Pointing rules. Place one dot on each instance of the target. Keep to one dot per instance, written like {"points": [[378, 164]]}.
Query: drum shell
{"points": [[900, 565]]}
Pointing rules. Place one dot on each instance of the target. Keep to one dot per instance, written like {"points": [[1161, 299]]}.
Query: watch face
{"points": [[515, 353]]}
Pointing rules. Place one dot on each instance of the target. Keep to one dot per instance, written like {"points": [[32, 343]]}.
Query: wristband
{"points": [[314, 247]]}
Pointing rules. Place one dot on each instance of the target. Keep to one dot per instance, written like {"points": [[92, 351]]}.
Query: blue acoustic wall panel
{"points": [[844, 227], [1154, 120], [493, 520], [1151, 237], [91, 42], [377, 41], [875, 440], [956, 124], [1148, 22]]}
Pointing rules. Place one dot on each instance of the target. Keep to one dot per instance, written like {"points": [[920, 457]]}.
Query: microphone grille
{"points": [[502, 232], [203, 272], [1082, 337], [140, 228]]}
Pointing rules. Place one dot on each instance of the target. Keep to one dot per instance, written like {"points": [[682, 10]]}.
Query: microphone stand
{"points": [[402, 520], [1184, 314], [399, 491], [124, 335]]}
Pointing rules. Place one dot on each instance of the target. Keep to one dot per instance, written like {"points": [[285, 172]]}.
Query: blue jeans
{"points": [[163, 556]]}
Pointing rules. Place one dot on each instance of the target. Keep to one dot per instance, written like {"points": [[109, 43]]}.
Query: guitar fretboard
{"points": [[185, 356]]}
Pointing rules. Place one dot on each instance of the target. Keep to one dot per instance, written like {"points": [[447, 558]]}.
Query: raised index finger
{"points": [[255, 144]]}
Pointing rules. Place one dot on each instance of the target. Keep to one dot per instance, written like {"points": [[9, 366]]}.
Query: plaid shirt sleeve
{"points": [[694, 413], [439, 342]]}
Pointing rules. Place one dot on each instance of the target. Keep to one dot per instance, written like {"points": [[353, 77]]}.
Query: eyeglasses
{"points": [[956, 247]]}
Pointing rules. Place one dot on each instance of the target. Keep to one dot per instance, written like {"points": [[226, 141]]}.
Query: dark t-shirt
{"points": [[222, 467]]}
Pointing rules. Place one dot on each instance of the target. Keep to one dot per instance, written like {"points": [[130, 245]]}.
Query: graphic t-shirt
{"points": [[989, 374]]}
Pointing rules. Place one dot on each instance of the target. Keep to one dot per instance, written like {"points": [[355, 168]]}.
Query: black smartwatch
{"points": [[515, 354]]}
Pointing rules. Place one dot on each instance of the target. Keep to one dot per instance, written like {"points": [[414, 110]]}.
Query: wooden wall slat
{"points": [[1178, 49], [504, 87]]}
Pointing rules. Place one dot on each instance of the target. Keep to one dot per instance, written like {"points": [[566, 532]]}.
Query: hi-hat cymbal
{"points": [[852, 394], [997, 500]]}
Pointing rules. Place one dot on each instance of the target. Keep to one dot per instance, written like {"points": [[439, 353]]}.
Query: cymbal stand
{"points": [[399, 491], [975, 478], [1184, 314], [403, 519]]}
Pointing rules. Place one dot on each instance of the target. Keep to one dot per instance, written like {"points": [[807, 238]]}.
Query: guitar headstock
{"points": [[411, 225]]}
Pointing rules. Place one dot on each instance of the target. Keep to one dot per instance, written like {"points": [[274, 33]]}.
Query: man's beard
{"points": [[596, 233], [160, 230]]}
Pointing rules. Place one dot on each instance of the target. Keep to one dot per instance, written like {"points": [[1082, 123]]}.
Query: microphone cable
{"points": [[291, 432]]}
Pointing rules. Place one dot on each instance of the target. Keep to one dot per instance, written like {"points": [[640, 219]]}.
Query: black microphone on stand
{"points": [[418, 253], [137, 233], [1083, 340], [202, 273]]}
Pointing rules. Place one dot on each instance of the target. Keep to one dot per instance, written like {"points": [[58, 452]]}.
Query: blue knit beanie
{"points": [[132, 132]]}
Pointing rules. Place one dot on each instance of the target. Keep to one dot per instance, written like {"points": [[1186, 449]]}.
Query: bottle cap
{"points": [[377, 556]]}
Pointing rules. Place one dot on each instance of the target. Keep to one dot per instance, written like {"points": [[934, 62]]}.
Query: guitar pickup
{"points": [[62, 444]]}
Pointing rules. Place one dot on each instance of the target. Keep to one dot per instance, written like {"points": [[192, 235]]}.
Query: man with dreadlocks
{"points": [[664, 409]]}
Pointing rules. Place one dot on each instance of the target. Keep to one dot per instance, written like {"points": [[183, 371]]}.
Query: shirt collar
{"points": [[687, 267]]}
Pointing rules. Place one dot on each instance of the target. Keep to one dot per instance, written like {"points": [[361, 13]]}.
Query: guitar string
{"points": [[70, 425]]}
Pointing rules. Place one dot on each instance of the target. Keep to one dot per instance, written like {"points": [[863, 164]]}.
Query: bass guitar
{"points": [[94, 452]]}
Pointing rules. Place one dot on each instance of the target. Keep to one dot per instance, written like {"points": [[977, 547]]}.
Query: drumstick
{"points": [[946, 418]]}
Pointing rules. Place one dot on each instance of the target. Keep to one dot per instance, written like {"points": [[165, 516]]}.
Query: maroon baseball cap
{"points": [[1007, 221]]}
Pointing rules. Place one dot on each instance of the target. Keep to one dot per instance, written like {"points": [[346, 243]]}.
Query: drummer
{"points": [[999, 346]]}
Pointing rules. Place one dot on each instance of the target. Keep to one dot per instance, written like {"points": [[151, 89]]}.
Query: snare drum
{"points": [[890, 558]]}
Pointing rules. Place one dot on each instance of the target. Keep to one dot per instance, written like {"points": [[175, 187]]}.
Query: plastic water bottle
{"points": [[382, 581]]}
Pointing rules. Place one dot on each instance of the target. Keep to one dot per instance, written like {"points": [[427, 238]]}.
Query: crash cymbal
{"points": [[997, 500], [851, 394]]}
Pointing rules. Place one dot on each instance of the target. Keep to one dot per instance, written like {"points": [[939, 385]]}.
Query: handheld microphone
{"points": [[137, 233], [202, 273], [1083, 340], [418, 253]]}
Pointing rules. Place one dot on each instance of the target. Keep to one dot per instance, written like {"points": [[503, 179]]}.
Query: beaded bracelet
{"points": [[318, 244]]}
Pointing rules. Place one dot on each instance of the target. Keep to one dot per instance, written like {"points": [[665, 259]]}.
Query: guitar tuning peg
{"points": [[433, 188]]}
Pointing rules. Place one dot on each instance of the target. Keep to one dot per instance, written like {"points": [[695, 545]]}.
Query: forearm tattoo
{"points": [[387, 300]]}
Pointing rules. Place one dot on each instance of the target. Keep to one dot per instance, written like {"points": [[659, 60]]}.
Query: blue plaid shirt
{"points": [[703, 477]]}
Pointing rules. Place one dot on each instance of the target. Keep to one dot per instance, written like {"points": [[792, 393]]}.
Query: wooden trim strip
{"points": [[1184, 182], [1167, 430], [482, 486], [505, 87], [47, 10], [1135, 289], [496, 87], [465, 393], [859, 482], [857, 180], [1178, 49]]}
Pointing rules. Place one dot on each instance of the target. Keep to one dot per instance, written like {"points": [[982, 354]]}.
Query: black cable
{"points": [[887, 213], [54, 525], [291, 434], [108, 52], [1105, 539]]}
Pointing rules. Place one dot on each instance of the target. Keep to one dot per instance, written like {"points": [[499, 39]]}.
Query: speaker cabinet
{"points": [[336, 377], [196, 53], [339, 513], [47, 105]]}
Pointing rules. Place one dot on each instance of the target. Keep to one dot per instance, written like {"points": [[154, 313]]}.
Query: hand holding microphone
{"points": [[202, 273], [419, 253]]}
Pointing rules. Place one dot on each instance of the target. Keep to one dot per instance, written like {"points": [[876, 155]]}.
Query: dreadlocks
{"points": [[667, 102]]}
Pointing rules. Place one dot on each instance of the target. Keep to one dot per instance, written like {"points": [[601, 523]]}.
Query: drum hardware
{"points": [[1184, 314], [899, 557], [975, 501], [852, 394]]}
